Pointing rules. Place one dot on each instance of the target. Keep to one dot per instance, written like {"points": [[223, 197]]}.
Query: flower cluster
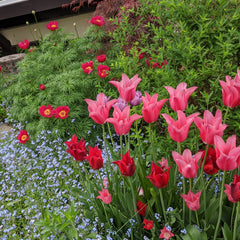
{"points": [[102, 70], [48, 111]]}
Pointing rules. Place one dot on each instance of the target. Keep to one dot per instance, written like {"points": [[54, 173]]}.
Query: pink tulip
{"points": [[127, 87], [121, 121], [166, 234], [231, 91], [187, 164], [179, 96], [99, 109], [227, 153], [192, 200], [105, 196], [178, 130], [210, 126], [151, 107]]}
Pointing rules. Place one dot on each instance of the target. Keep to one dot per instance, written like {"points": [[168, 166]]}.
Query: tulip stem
{"points": [[236, 221], [121, 146], [163, 207], [133, 196], [179, 147], [220, 207], [226, 113], [107, 218], [233, 211], [184, 192], [152, 143], [196, 214], [109, 130], [105, 142]]}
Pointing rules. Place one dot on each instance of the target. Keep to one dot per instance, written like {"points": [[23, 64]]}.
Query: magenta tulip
{"points": [[179, 96], [227, 154], [127, 87], [151, 107], [178, 130], [192, 200], [210, 126]]}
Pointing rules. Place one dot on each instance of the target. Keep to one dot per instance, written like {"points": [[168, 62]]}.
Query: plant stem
{"points": [[179, 147], [220, 207], [163, 207], [109, 131], [105, 142], [34, 14], [121, 146], [196, 214], [226, 113], [107, 218], [152, 143], [236, 221], [184, 192]]}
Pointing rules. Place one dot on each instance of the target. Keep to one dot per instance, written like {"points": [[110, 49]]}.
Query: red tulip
{"points": [[61, 112], [187, 164], [126, 165], [95, 158], [178, 130], [101, 58], [102, 71], [151, 107], [227, 154], [87, 67], [210, 166], [231, 91], [179, 96], [121, 121], [98, 20], [228, 192], [158, 177], [148, 224], [235, 188], [52, 25], [105, 196], [141, 208], [166, 234], [24, 45], [210, 126], [42, 86], [192, 200], [77, 149], [46, 111], [99, 110], [23, 136], [127, 87]]}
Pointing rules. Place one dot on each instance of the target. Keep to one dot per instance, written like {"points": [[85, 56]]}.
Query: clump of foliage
{"points": [[56, 63]]}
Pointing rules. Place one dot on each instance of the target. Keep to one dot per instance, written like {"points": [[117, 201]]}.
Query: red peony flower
{"points": [[61, 112], [23, 136], [102, 71], [126, 165], [87, 67], [166, 234], [158, 177], [0, 68], [141, 208], [52, 25], [210, 166], [152, 64], [95, 158], [24, 45], [46, 111], [101, 58], [98, 20], [77, 149], [148, 224], [105, 196], [42, 86]]}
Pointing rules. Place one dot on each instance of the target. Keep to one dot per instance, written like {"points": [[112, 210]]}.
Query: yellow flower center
{"points": [[62, 114], [166, 235], [89, 68], [23, 137], [53, 25], [47, 112], [98, 20]]}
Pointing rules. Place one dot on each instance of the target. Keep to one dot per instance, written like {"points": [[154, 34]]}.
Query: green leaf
{"points": [[227, 233]]}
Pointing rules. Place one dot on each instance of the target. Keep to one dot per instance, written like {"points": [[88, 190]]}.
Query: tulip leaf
{"points": [[194, 234], [227, 233]]}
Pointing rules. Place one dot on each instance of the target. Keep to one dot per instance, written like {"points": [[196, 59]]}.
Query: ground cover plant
{"points": [[166, 164]]}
